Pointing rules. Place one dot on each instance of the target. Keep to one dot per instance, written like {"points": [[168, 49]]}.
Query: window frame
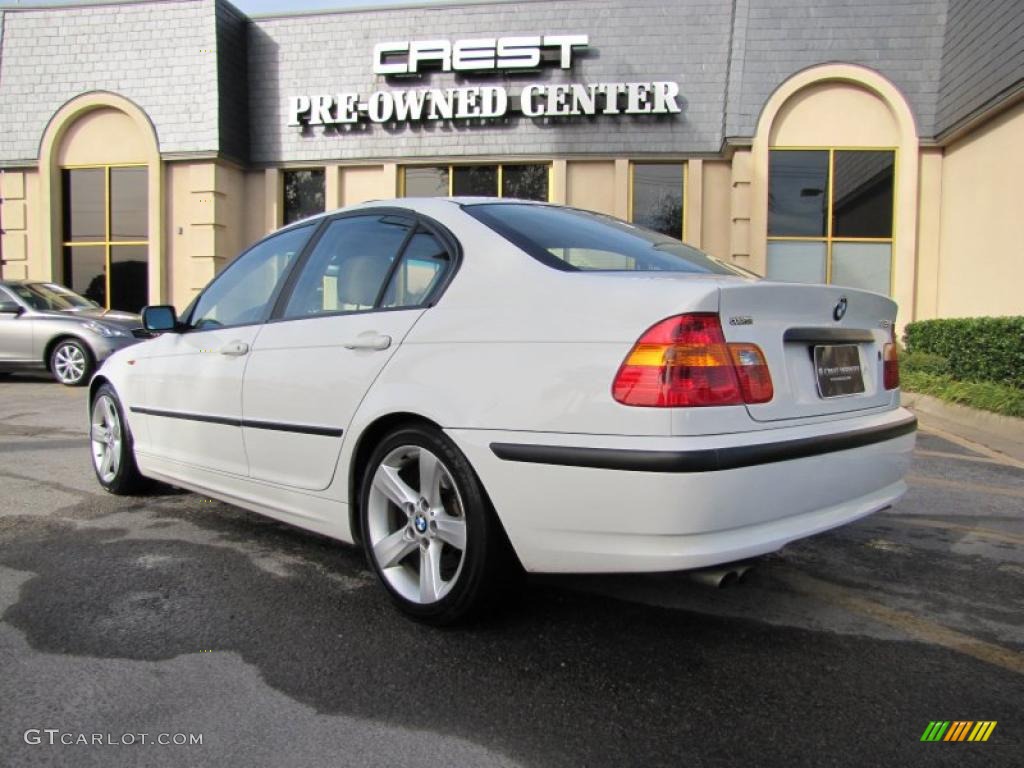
{"points": [[186, 318], [829, 239], [450, 167], [686, 188], [106, 244], [418, 220]]}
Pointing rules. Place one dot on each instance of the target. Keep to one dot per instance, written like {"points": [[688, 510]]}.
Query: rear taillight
{"points": [[684, 361], [891, 363], [752, 372]]}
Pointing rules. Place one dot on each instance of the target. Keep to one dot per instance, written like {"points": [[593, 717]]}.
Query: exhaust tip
{"points": [[720, 578]]}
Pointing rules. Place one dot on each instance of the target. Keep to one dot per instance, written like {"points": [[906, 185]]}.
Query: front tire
{"points": [[71, 363], [112, 448], [429, 532]]}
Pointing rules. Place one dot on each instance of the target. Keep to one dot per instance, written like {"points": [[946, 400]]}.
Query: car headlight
{"points": [[106, 331]]}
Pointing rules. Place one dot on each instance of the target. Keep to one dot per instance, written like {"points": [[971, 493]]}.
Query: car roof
{"points": [[425, 205]]}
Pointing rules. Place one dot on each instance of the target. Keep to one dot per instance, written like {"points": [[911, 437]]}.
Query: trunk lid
{"points": [[788, 321]]}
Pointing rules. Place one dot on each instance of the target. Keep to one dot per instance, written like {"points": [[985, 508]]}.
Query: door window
{"points": [[349, 266], [241, 294]]}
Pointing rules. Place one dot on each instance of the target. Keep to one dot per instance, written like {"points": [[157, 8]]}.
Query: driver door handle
{"points": [[235, 349], [369, 340]]}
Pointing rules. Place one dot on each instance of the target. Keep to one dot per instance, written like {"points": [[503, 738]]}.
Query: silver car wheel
{"points": [[107, 438], [69, 363], [416, 524]]}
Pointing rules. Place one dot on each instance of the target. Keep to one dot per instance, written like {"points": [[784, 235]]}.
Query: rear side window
{"points": [[573, 240], [422, 267]]}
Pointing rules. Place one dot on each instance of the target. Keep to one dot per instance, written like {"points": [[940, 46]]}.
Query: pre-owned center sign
{"points": [[481, 55]]}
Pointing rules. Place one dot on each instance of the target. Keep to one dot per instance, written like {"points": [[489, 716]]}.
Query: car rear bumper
{"points": [[596, 503]]}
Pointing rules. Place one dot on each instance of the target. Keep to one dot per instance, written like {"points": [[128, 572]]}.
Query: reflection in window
{"points": [[129, 276], [657, 201], [426, 182], [797, 193], [241, 293], [423, 264], [106, 229], [85, 205], [303, 194], [129, 204], [830, 216], [475, 180], [797, 261], [525, 181], [85, 271], [862, 194], [349, 265], [862, 265], [571, 240]]}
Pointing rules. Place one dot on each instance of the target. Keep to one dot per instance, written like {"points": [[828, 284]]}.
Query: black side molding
{"points": [[849, 335], [301, 429], [706, 460]]}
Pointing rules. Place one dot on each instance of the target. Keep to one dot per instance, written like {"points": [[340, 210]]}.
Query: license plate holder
{"points": [[838, 370]]}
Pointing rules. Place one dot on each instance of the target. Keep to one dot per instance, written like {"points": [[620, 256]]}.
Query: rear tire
{"points": [[112, 447], [71, 363], [429, 532]]}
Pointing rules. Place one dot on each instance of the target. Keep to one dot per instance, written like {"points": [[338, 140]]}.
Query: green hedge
{"points": [[975, 348], [984, 395]]}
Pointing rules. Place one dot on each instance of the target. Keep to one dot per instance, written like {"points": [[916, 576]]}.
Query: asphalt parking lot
{"points": [[173, 614]]}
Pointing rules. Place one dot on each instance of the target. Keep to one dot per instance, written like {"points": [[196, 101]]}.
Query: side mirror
{"points": [[160, 318], [10, 308]]}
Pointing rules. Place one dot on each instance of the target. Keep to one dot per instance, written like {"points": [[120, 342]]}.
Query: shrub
{"points": [[985, 395], [925, 362], [975, 348]]}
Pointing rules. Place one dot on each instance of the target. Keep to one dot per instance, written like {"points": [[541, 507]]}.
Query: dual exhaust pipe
{"points": [[721, 576]]}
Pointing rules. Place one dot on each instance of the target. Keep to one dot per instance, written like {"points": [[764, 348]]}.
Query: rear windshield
{"points": [[572, 240]]}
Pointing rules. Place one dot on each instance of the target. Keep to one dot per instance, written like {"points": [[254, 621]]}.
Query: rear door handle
{"points": [[235, 349], [369, 340]]}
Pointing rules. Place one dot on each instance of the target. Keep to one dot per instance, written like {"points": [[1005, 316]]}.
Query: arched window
{"points": [[101, 178]]}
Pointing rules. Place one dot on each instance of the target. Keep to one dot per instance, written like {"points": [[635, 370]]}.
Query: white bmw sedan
{"points": [[469, 385]]}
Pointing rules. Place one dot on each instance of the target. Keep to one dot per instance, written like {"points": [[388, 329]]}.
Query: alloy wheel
{"points": [[416, 524], [107, 438], [69, 363]]}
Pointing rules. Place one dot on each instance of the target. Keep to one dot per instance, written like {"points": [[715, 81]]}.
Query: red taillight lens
{"points": [[890, 366], [684, 361], [752, 372]]}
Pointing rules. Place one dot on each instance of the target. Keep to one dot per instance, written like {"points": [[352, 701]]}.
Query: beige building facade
{"points": [[837, 181]]}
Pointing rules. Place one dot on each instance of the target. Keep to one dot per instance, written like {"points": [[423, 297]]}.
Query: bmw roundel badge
{"points": [[840, 311]]}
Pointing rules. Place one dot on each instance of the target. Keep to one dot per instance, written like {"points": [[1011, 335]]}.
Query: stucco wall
{"points": [[981, 258]]}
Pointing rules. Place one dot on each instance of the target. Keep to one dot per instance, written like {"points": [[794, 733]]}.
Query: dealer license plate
{"points": [[838, 370]]}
